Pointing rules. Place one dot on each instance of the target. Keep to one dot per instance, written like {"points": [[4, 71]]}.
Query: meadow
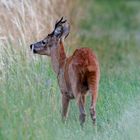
{"points": [[30, 99]]}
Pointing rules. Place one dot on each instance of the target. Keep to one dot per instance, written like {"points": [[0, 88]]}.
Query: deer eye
{"points": [[43, 42]]}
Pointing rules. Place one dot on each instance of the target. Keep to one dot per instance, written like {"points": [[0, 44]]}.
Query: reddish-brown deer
{"points": [[76, 74]]}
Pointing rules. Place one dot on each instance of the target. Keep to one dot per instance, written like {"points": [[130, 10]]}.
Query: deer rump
{"points": [[84, 66]]}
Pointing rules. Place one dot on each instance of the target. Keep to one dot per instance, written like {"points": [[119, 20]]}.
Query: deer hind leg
{"points": [[93, 82], [81, 104], [79, 96], [65, 106], [80, 99]]}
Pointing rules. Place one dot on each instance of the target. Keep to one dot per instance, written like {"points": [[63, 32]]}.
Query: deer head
{"points": [[43, 47]]}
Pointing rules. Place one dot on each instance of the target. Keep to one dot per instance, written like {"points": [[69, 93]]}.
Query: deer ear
{"points": [[58, 31], [62, 31], [62, 28], [66, 30]]}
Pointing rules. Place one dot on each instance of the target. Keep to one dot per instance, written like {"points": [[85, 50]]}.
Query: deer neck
{"points": [[58, 57]]}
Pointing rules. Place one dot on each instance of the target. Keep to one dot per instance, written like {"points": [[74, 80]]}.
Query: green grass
{"points": [[30, 100]]}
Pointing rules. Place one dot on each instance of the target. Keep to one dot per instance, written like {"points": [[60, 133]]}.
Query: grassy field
{"points": [[30, 100]]}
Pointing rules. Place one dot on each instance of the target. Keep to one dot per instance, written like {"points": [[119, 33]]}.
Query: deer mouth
{"points": [[34, 51]]}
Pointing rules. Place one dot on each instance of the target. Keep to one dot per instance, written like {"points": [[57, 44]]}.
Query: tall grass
{"points": [[30, 100]]}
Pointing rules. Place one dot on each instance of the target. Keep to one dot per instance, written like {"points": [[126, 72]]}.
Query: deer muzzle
{"points": [[33, 48]]}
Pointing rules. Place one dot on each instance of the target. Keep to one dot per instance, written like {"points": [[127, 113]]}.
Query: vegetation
{"points": [[30, 100]]}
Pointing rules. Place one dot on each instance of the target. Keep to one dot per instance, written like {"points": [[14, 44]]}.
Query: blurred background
{"points": [[30, 100]]}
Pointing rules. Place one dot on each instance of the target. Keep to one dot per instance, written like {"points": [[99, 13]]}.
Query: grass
{"points": [[30, 100]]}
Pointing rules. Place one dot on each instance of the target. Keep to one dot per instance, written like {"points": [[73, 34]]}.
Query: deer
{"points": [[76, 74]]}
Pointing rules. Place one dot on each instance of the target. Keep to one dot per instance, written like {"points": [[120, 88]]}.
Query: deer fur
{"points": [[76, 74]]}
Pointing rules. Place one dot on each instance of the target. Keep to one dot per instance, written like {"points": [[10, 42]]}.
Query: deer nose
{"points": [[31, 46]]}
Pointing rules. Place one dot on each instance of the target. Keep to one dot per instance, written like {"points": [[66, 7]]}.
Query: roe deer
{"points": [[76, 74]]}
